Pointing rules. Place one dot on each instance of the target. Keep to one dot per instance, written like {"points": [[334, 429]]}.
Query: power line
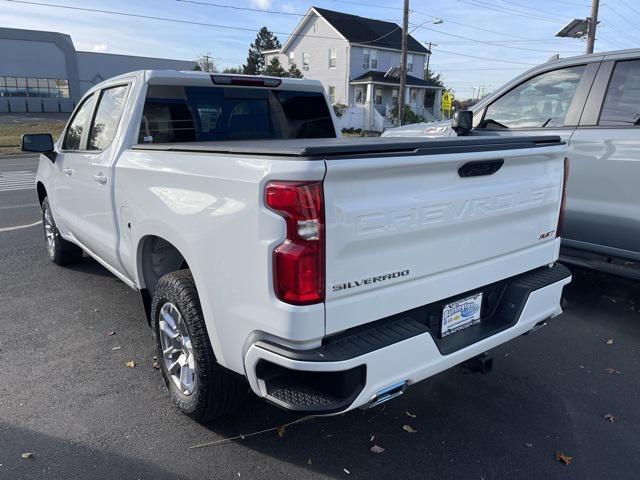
{"points": [[630, 7], [165, 19], [517, 13], [276, 12], [553, 14], [486, 58], [490, 43]]}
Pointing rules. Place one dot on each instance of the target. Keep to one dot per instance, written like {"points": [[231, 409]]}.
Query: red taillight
{"points": [[563, 201], [298, 262]]}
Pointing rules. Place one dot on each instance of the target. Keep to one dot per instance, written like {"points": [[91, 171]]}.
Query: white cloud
{"points": [[100, 47], [261, 4]]}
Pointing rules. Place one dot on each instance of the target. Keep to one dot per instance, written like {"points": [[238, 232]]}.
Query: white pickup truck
{"points": [[327, 273]]}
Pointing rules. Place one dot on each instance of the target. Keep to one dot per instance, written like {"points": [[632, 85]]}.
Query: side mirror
{"points": [[462, 122], [38, 143]]}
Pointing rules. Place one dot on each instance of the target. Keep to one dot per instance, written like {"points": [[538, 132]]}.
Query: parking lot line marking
{"points": [[19, 227], [19, 180]]}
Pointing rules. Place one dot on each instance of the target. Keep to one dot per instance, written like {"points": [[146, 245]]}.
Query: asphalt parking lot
{"points": [[70, 400]]}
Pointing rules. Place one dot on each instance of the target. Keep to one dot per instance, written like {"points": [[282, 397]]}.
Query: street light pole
{"points": [[403, 61], [592, 24]]}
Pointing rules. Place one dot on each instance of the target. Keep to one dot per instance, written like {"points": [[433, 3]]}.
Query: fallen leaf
{"points": [[409, 428], [27, 455], [110, 334], [561, 457], [609, 417], [280, 431], [346, 471], [611, 371], [155, 365], [528, 445], [377, 449], [409, 414], [131, 364], [610, 341]]}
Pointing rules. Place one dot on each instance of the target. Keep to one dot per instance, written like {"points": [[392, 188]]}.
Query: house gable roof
{"points": [[376, 33], [359, 30]]}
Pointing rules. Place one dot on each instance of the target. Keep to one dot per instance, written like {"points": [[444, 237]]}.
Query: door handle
{"points": [[100, 178], [67, 171]]}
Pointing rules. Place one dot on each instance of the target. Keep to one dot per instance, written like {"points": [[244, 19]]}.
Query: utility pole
{"points": [[592, 23], [403, 61], [428, 57]]}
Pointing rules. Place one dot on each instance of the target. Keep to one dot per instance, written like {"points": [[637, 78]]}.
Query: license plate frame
{"points": [[461, 314]]}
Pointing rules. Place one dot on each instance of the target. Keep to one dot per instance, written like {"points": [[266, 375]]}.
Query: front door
{"points": [[549, 103], [92, 178]]}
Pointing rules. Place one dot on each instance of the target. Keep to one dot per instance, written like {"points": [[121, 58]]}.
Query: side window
{"points": [[73, 137], [107, 117], [542, 101], [622, 102]]}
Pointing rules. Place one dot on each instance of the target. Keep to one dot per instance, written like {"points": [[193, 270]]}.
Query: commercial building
{"points": [[43, 72]]}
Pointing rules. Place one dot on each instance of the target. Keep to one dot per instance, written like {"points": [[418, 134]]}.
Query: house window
{"points": [[374, 59], [332, 93], [359, 95], [394, 96], [366, 58], [292, 58], [378, 96], [409, 62], [305, 60], [333, 54]]}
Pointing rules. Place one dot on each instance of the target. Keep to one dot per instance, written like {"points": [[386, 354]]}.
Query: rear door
{"points": [[603, 204], [404, 231], [69, 160]]}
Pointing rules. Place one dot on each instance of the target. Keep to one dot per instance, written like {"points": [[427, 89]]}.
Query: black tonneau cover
{"points": [[319, 148]]}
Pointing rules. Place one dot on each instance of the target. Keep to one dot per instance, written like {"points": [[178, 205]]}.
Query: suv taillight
{"points": [[298, 262], [563, 201]]}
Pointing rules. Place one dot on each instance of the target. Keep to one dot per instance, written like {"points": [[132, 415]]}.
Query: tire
{"points": [[59, 250], [204, 390]]}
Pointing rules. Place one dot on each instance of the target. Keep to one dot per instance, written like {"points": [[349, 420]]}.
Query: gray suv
{"points": [[593, 103]]}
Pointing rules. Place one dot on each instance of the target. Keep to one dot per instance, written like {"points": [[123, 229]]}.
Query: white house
{"points": [[351, 56]]}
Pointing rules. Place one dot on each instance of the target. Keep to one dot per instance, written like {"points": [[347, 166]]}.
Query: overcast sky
{"points": [[511, 35]]}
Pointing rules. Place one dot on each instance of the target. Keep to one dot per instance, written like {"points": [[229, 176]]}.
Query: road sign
{"points": [[446, 101]]}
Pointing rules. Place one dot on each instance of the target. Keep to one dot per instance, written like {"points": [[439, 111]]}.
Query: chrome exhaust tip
{"points": [[386, 394]]}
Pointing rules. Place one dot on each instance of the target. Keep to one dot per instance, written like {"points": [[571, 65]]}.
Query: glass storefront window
{"points": [[34, 87]]}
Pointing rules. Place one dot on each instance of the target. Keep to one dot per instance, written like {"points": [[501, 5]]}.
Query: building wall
{"points": [[25, 58], [94, 68], [45, 57], [318, 49], [386, 60]]}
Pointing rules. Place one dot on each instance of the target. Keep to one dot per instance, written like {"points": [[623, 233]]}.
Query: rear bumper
{"points": [[378, 360]]}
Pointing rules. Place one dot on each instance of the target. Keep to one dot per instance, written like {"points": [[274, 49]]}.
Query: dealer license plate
{"points": [[461, 314]]}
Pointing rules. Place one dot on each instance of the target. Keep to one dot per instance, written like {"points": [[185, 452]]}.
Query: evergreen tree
{"points": [[196, 68], [265, 40], [433, 79], [294, 71], [233, 70], [274, 69]]}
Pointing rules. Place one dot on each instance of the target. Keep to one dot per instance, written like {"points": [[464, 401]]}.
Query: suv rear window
{"points": [[190, 114]]}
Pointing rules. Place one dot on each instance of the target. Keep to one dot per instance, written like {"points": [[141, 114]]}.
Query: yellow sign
{"points": [[446, 101]]}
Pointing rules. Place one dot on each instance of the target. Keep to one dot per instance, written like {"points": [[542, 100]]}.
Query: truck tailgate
{"points": [[403, 230]]}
